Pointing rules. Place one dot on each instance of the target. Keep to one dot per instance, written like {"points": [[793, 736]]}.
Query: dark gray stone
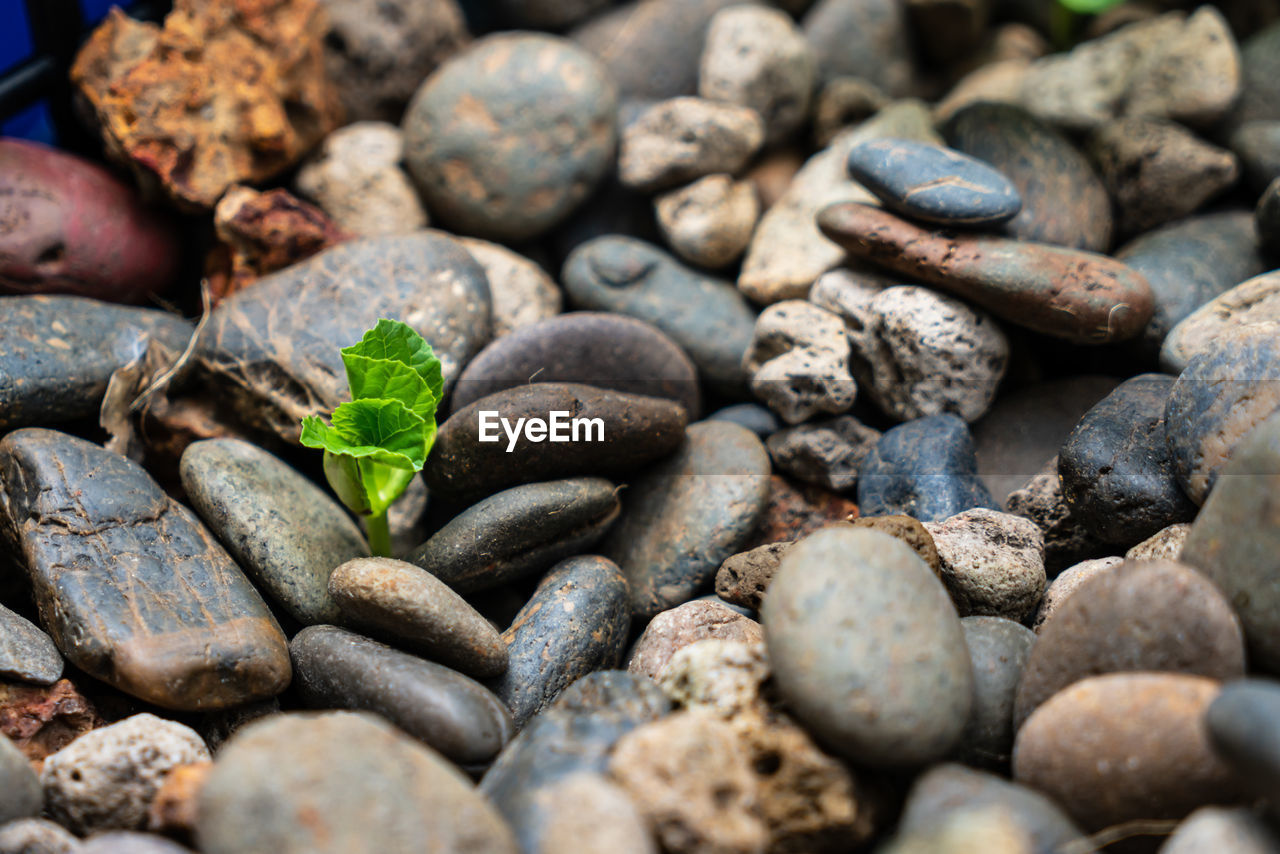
{"points": [[26, 653], [283, 530], [756, 418], [133, 589], [1257, 144], [828, 453], [1244, 728], [1267, 218], [338, 669], [23, 796], [862, 38], [998, 649]]}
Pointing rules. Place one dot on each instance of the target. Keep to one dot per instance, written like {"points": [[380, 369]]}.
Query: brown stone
{"points": [[794, 510], [679, 627], [911, 531], [43, 719], [173, 810], [744, 578], [1066, 541]]}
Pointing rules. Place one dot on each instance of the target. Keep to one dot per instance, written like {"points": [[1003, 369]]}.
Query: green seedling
{"points": [[378, 441], [1064, 18], [1089, 7]]}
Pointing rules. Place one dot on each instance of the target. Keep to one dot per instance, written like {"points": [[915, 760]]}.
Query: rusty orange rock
{"points": [[43, 719], [173, 811], [1067, 293]]}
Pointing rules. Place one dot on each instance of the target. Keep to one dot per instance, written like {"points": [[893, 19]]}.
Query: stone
{"points": [[338, 669], [1222, 829], [678, 628], [1241, 724], [1067, 583], [631, 432], [911, 531], [1065, 293], [753, 416], [508, 136], [134, 590], [611, 351], [828, 452], [724, 676], [281, 528], [992, 562], [757, 57], [106, 779], [1064, 202], [259, 74], [548, 14], [796, 509], [709, 222], [997, 82], [683, 517], [1066, 541], [37, 836], [522, 291], [934, 184], [519, 532], [124, 842], [773, 172], [844, 101], [1267, 218], [1259, 100], [627, 276], [839, 664], [26, 653], [925, 469], [1251, 307], [1257, 144], [680, 140], [691, 783], [377, 53], [575, 622], [1124, 747], [588, 812], [1165, 544], [870, 39], [357, 176], [73, 228], [915, 351], [1157, 616], [1157, 171], [295, 783], [24, 796], [400, 603], [41, 720], [173, 809], [998, 649], [799, 361], [246, 346], [45, 379], [743, 578]]}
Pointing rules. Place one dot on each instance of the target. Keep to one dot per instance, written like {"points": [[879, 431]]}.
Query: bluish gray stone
{"points": [[998, 649], [22, 796], [26, 653], [1244, 729], [756, 418]]}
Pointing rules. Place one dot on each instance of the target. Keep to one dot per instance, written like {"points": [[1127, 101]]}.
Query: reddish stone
{"points": [[794, 511], [43, 719]]}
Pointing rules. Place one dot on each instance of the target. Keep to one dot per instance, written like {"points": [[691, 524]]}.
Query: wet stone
{"points": [[281, 528], [150, 603], [709, 222], [998, 649], [23, 796], [934, 184], [827, 453], [991, 562], [404, 605], [743, 578], [26, 653], [522, 291], [338, 669], [683, 139], [681, 627], [1249, 308], [799, 361]]}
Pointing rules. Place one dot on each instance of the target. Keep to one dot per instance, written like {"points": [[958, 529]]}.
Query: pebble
{"points": [[709, 222], [925, 469], [828, 452], [753, 416], [519, 532], [134, 590], [627, 276], [401, 603], [842, 102], [47, 379], [302, 783], [1220, 829], [743, 578], [1124, 747], [588, 812], [575, 622], [911, 531], [757, 57], [37, 836], [637, 431], [425, 279], [24, 796], [42, 720], [338, 669], [676, 629], [1257, 144], [1268, 218], [281, 528], [73, 228], [719, 675], [1116, 470], [507, 137], [853, 689], [683, 517], [523, 293], [680, 140], [106, 779], [26, 653], [916, 352], [124, 842], [934, 184], [1241, 723], [870, 39], [1064, 202], [799, 361], [998, 649], [357, 178], [1067, 583], [1064, 293], [1165, 544], [1250, 307], [1066, 541], [992, 562], [1141, 615], [1259, 100]]}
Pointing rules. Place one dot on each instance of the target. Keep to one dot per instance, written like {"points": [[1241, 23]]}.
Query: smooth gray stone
{"points": [[124, 842], [26, 653], [283, 530], [1243, 724], [999, 649], [440, 707], [756, 418], [20, 793]]}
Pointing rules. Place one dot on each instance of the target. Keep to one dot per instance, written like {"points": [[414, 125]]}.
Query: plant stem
{"points": [[379, 535]]}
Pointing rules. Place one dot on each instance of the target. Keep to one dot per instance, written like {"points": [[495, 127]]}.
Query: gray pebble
{"points": [[23, 795], [677, 141], [827, 453], [799, 361], [26, 653], [37, 836], [522, 291], [998, 649], [1251, 307], [992, 562]]}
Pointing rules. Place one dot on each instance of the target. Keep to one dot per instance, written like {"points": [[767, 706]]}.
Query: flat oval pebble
{"points": [[23, 796], [1244, 728], [867, 650], [135, 591], [1069, 294], [575, 622], [605, 350], [338, 669], [682, 518], [933, 184], [26, 653], [1124, 747], [636, 430], [283, 530], [303, 784], [406, 606], [999, 649], [1251, 307]]}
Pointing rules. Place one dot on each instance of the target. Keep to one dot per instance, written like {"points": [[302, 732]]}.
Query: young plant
{"points": [[378, 441], [1065, 17]]}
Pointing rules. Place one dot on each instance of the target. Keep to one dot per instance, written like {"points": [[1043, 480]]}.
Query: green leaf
{"points": [[1090, 7], [393, 362]]}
